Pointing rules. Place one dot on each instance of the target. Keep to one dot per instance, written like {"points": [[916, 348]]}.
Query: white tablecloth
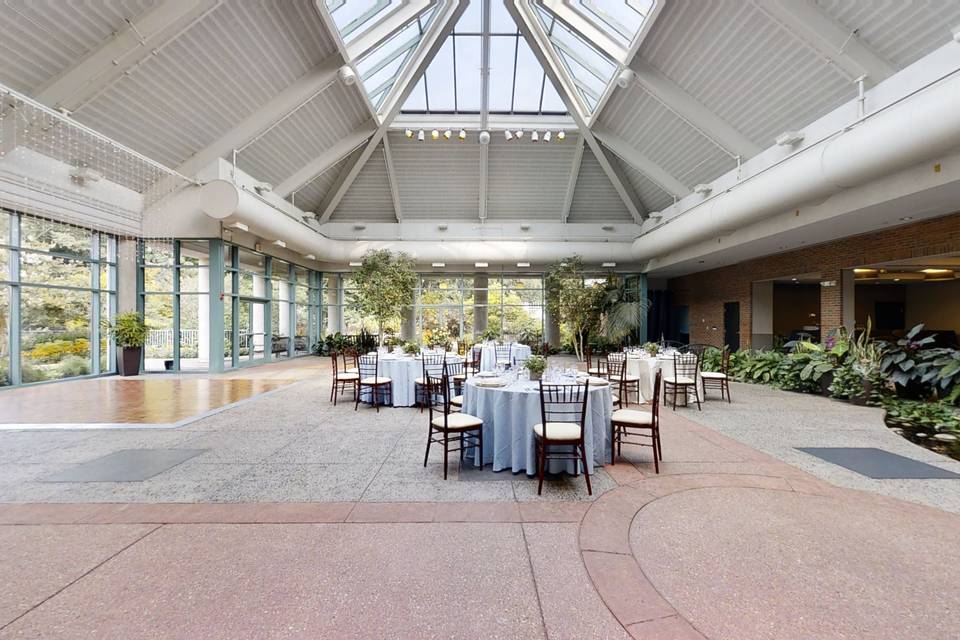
{"points": [[508, 415], [488, 355], [402, 371], [646, 369]]}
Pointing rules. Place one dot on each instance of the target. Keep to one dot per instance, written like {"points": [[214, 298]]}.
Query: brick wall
{"points": [[706, 292]]}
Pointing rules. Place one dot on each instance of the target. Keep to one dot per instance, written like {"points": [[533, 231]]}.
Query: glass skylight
{"points": [[620, 20], [380, 67], [453, 82], [590, 69], [355, 17]]}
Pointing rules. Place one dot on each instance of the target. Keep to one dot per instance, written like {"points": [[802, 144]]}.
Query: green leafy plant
{"points": [[907, 362], [620, 312], [490, 334], [411, 348], [652, 348], [72, 366], [530, 336], [573, 301], [536, 365], [756, 366], [847, 381], [946, 367], [393, 341], [129, 330], [803, 370], [712, 359], [383, 285]]}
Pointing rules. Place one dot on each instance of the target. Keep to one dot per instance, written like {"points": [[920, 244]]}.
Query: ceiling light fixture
{"points": [[561, 135], [240, 226], [525, 226], [310, 256], [790, 138], [447, 134], [435, 134], [905, 218], [625, 79], [546, 136], [438, 265], [703, 189], [420, 135], [608, 265], [534, 137], [936, 272], [484, 137], [607, 227], [280, 243], [359, 226], [519, 134], [462, 135], [442, 227], [523, 265], [356, 264], [481, 265], [408, 133], [347, 75]]}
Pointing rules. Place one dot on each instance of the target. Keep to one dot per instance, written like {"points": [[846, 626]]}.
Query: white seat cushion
{"points": [[457, 421], [615, 398], [713, 375], [632, 416], [348, 376], [628, 378], [594, 371], [457, 400], [460, 376], [679, 380], [351, 370], [421, 381], [375, 380], [564, 431]]}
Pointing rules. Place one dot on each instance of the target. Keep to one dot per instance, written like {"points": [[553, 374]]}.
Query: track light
{"points": [[519, 134], [347, 75], [546, 136], [420, 135], [408, 133], [625, 79], [435, 135], [447, 134], [534, 137], [608, 265], [508, 135], [561, 135], [484, 137], [462, 135]]}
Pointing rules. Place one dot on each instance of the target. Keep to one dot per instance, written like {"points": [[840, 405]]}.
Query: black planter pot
{"points": [[861, 398], [913, 390], [128, 361], [825, 381]]}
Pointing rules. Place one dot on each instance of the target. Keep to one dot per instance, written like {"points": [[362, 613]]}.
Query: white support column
{"points": [[125, 51], [806, 21], [640, 162], [848, 300], [761, 315], [392, 178], [574, 176], [203, 312]]}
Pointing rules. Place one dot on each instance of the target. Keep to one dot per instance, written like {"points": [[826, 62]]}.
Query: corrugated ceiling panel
{"points": [[744, 67], [901, 32], [211, 77], [651, 195], [664, 138], [528, 180], [594, 198], [41, 39], [437, 180], [306, 134], [311, 195], [368, 199]]}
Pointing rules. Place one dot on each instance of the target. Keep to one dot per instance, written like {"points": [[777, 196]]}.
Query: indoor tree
{"points": [[383, 286], [573, 301], [621, 310]]}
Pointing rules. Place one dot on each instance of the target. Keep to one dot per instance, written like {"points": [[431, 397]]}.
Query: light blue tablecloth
{"points": [[402, 371], [488, 355], [508, 415]]}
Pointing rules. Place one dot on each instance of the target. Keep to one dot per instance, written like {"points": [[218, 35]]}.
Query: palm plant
{"points": [[621, 311]]}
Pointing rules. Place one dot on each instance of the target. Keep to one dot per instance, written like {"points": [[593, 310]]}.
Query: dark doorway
{"points": [[731, 325], [891, 316]]}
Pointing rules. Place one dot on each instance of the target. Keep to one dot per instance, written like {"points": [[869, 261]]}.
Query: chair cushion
{"points": [[564, 431], [632, 416], [615, 398], [457, 400], [457, 421], [375, 380], [627, 378], [679, 380], [348, 376], [594, 371], [351, 370], [460, 376], [713, 375], [420, 381]]}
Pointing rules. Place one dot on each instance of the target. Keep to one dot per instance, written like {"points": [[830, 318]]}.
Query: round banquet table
{"points": [[488, 355], [645, 368], [402, 370], [508, 415]]}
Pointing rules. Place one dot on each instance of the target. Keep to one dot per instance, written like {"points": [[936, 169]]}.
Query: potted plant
{"points": [[908, 361], [130, 334], [652, 348], [536, 365], [411, 348]]}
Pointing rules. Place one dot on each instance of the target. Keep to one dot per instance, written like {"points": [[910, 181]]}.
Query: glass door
{"points": [[252, 330]]}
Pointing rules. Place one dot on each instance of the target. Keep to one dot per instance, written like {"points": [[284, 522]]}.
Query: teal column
{"points": [[216, 330], [14, 319]]}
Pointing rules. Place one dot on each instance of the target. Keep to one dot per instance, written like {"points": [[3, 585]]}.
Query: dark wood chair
{"points": [[369, 368], [342, 379], [624, 383], [350, 356], [563, 412], [455, 372], [432, 365], [472, 363], [686, 368], [504, 354], [642, 426], [718, 379], [594, 368], [450, 427]]}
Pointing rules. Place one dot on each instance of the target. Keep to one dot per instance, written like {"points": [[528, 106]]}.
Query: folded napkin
{"points": [[596, 382], [489, 382]]}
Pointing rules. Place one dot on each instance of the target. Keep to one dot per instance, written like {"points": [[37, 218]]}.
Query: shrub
{"points": [[755, 366], [73, 366], [847, 381], [803, 370], [55, 350], [712, 359], [32, 373], [920, 416]]}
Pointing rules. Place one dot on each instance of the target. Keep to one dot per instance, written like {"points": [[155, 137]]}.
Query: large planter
{"points": [[913, 390], [536, 376], [825, 381], [861, 398], [128, 360]]}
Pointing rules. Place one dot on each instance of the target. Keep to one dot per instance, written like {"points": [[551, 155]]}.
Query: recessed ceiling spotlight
{"points": [[608, 265], [408, 133], [546, 136], [481, 265], [435, 134], [523, 264], [420, 135], [525, 226], [508, 135], [561, 135], [905, 218], [438, 265], [484, 137], [447, 134], [356, 264], [534, 137], [462, 135], [240, 226], [310, 256], [359, 226], [608, 227]]}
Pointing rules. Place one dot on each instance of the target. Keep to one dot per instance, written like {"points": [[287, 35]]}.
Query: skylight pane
{"points": [[418, 97], [472, 19], [528, 81], [502, 51], [355, 17], [552, 102], [468, 72], [440, 79], [621, 20], [500, 19]]}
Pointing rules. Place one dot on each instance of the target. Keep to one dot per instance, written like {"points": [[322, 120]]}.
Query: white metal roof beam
{"points": [[392, 178], [530, 29], [827, 36], [574, 176], [640, 162], [693, 111], [327, 159], [431, 42], [126, 50], [386, 27], [285, 103], [598, 37], [484, 105]]}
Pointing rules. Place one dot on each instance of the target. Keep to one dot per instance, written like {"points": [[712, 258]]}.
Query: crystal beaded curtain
{"points": [[52, 166]]}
